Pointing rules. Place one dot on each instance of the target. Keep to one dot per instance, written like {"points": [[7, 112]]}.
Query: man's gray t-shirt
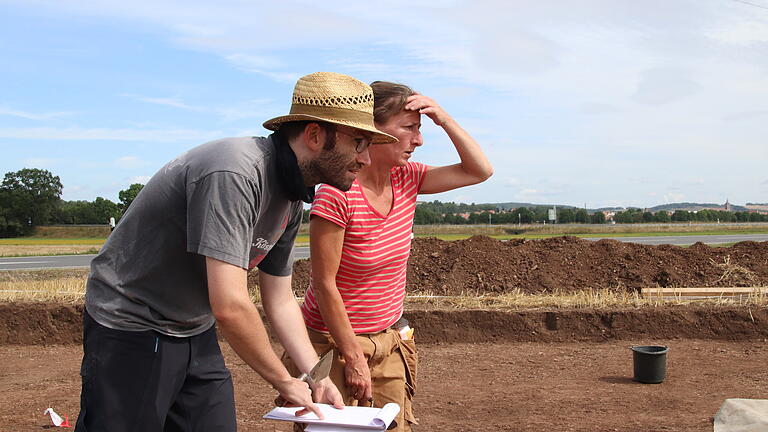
{"points": [[221, 200]]}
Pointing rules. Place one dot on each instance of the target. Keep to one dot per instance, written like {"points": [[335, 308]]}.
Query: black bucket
{"points": [[650, 363]]}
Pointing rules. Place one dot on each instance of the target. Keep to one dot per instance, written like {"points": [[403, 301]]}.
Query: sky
{"points": [[595, 103]]}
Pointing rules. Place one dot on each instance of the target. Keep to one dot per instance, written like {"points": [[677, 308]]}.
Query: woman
{"points": [[360, 242]]}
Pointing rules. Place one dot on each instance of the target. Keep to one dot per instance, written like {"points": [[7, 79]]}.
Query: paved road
{"points": [[74, 261], [39, 262]]}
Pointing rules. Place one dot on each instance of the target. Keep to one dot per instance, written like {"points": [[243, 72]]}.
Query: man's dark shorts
{"points": [[148, 382]]}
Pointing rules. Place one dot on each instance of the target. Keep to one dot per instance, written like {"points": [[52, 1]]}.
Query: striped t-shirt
{"points": [[371, 275]]}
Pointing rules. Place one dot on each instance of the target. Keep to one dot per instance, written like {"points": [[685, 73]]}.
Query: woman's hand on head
{"points": [[427, 106]]}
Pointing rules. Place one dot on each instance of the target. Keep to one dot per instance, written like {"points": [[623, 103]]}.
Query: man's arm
{"points": [[474, 166], [326, 243], [285, 316], [241, 325]]}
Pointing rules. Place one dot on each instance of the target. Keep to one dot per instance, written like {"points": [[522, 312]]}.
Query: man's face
{"points": [[339, 161]]}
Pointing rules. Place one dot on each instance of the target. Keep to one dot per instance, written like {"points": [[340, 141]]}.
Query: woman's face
{"points": [[405, 127]]}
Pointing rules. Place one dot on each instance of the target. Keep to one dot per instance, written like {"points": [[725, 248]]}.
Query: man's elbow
{"points": [[229, 314]]}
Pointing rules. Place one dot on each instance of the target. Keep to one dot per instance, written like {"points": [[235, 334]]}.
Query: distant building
{"points": [[757, 208]]}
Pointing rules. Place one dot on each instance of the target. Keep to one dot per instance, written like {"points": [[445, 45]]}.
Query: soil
{"points": [[48, 323], [523, 386], [518, 370], [565, 264]]}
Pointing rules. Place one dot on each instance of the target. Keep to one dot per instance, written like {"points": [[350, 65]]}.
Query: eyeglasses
{"points": [[361, 143]]}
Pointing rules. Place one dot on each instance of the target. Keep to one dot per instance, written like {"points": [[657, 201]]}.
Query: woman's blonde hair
{"points": [[388, 99]]}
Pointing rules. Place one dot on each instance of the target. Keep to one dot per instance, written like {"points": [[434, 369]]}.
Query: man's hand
{"points": [[324, 391], [296, 392], [358, 378]]}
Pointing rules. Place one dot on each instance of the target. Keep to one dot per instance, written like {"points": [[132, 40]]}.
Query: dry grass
{"points": [[66, 241], [63, 290], [597, 299], [734, 273], [57, 285], [85, 231], [68, 285], [45, 250]]}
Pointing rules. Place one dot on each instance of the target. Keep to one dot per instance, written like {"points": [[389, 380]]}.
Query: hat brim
{"points": [[378, 137]]}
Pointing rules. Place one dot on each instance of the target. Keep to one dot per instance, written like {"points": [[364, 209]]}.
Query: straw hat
{"points": [[333, 98]]}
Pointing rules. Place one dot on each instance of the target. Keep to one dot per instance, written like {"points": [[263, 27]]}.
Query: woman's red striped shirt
{"points": [[371, 275]]}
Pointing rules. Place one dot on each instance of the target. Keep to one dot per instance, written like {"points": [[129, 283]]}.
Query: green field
{"points": [[64, 240], [531, 236]]}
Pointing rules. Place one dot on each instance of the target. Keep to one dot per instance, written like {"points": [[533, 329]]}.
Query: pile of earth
{"points": [[566, 264]]}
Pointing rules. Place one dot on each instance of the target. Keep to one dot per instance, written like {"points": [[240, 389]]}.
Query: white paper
{"points": [[742, 415], [319, 427], [55, 418], [349, 419]]}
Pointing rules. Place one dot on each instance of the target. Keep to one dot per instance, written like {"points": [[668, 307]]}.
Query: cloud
{"points": [[741, 33], [261, 65], [41, 162], [172, 102], [614, 203], [105, 134], [746, 115], [32, 116], [461, 198], [139, 179], [672, 197], [129, 162], [254, 108], [229, 112], [604, 91], [662, 86], [250, 61]]}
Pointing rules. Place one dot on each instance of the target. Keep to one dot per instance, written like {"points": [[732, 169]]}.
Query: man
{"points": [[177, 264]]}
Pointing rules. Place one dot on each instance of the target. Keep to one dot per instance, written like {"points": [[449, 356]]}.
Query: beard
{"points": [[330, 167]]}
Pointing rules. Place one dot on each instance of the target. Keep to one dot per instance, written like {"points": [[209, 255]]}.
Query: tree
{"points": [[630, 215], [28, 198], [75, 212], [86, 212], [681, 216], [423, 216], [105, 209], [128, 195], [648, 217], [662, 216], [581, 216], [524, 215], [597, 218]]}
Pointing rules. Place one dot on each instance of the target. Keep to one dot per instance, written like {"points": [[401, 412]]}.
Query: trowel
{"points": [[319, 372]]}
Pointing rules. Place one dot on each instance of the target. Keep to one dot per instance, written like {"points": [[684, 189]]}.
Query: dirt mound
{"points": [[51, 323], [566, 264], [40, 323]]}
